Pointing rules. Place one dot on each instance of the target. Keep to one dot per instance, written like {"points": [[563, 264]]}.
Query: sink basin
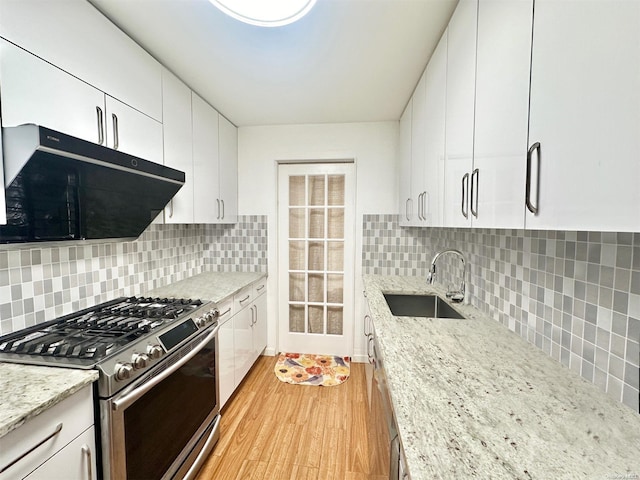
{"points": [[430, 306]]}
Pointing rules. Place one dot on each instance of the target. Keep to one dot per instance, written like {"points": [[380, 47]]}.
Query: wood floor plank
{"points": [[271, 430]]}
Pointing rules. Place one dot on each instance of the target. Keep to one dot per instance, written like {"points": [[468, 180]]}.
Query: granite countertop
{"points": [[473, 399], [212, 286], [27, 390]]}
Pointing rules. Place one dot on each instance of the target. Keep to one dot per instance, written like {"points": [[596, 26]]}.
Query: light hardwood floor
{"points": [[275, 431]]}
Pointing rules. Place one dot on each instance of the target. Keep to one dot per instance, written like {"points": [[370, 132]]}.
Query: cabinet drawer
{"points": [[226, 310], [75, 414], [260, 287], [242, 299]]}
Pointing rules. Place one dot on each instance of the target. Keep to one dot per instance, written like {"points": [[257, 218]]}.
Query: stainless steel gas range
{"points": [[157, 394]]}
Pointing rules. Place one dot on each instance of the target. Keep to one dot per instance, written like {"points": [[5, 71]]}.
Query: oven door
{"points": [[164, 425]]}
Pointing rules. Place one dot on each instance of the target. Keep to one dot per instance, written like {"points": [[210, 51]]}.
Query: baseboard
{"points": [[359, 359], [269, 352]]}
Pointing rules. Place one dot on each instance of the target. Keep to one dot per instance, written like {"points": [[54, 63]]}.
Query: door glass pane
{"points": [[334, 320], [316, 319], [316, 256], [335, 256], [296, 287], [336, 190], [296, 223], [296, 318], [296, 255], [336, 223], [335, 288], [316, 287], [316, 190], [296, 190], [316, 223]]}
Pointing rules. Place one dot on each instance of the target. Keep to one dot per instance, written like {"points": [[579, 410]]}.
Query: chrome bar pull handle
{"points": [[532, 208], [465, 187], [57, 430], [406, 209], [116, 134], [87, 451], [476, 174], [100, 125], [425, 205], [218, 203], [366, 321], [171, 208], [222, 203]]}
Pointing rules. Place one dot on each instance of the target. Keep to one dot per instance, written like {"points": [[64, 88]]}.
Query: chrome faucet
{"points": [[454, 295]]}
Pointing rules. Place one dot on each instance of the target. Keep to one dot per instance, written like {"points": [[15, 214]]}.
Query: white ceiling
{"points": [[347, 61]]}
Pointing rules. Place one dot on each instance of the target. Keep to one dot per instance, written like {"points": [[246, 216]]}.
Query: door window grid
{"points": [[316, 254]]}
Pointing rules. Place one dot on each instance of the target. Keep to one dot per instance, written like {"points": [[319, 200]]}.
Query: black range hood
{"points": [[59, 187]]}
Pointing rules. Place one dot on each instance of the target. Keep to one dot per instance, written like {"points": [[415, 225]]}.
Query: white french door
{"points": [[316, 230]]}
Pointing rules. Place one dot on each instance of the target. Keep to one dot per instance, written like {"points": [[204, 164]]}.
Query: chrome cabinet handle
{"points": [[260, 288], [171, 208], [425, 205], [367, 319], [116, 134], [87, 451], [369, 344], [222, 202], [465, 186], [245, 299], [225, 312], [218, 203], [419, 208], [100, 125], [532, 208], [406, 209], [253, 322], [41, 442], [476, 174]]}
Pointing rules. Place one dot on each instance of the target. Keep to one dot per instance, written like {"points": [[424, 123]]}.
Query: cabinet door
{"points": [[407, 204], [133, 132], [76, 461], [177, 141], [502, 111], [228, 170], [434, 134], [418, 151], [75, 36], [461, 65], [226, 357], [206, 197], [242, 343], [34, 91], [585, 112], [259, 326]]}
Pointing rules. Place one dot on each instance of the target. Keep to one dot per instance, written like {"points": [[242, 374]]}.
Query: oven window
{"points": [[160, 424]]}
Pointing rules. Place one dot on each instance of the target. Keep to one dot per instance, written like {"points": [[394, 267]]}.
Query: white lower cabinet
{"points": [[64, 442], [243, 335], [75, 461], [226, 351]]}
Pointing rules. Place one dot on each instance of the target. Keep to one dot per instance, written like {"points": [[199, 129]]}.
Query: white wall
{"points": [[373, 146]]}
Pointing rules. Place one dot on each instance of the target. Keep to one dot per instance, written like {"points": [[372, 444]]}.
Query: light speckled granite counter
{"points": [[27, 391], [473, 399], [212, 286]]}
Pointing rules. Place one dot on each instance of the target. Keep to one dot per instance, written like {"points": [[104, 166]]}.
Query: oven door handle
{"points": [[131, 397]]}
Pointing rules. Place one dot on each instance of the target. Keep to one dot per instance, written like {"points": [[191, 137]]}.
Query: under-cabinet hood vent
{"points": [[59, 187]]}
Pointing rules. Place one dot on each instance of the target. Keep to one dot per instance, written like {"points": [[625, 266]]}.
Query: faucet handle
{"points": [[455, 296]]}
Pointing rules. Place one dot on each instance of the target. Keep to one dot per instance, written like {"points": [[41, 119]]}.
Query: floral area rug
{"points": [[305, 369]]}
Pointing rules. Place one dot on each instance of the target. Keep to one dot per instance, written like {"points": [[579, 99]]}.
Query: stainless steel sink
{"points": [[430, 306]]}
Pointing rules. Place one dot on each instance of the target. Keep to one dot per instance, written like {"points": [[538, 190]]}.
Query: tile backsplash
{"points": [[575, 295], [39, 282]]}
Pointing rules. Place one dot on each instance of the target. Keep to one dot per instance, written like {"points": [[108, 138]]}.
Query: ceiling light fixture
{"points": [[265, 13]]}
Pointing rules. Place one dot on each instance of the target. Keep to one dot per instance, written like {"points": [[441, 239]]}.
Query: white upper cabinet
{"points": [[177, 140], [76, 37], [418, 151], [228, 171], [206, 207], [434, 135], [33, 91], [585, 114], [406, 207], [460, 94], [132, 132], [501, 112]]}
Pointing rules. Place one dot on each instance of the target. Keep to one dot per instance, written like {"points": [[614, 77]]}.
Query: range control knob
{"points": [[210, 316], [155, 351], [139, 360], [123, 371], [201, 322]]}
